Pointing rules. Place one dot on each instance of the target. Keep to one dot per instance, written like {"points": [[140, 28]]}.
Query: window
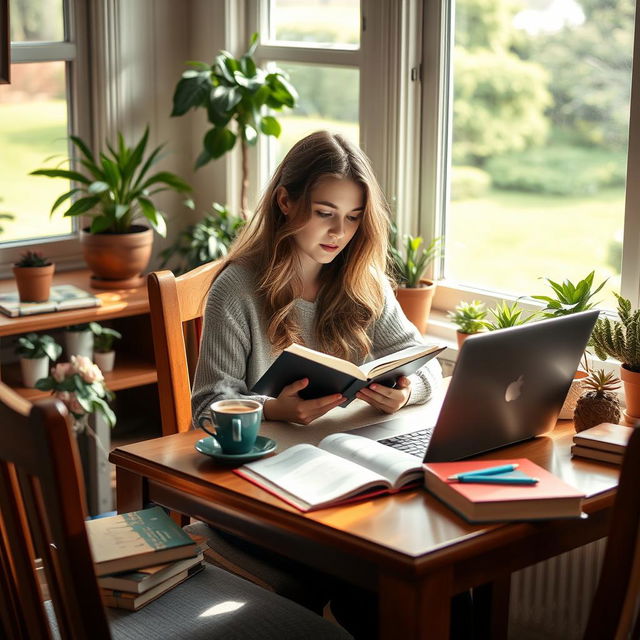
{"points": [[38, 110], [529, 175]]}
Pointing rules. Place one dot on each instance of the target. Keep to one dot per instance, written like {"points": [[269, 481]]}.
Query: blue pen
{"points": [[478, 479], [489, 471]]}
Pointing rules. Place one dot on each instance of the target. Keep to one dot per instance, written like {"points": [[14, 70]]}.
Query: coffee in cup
{"points": [[236, 423]]}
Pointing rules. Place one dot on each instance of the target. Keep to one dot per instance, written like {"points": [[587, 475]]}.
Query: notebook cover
{"points": [[605, 436]]}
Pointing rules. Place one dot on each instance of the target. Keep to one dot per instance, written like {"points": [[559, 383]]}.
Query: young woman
{"points": [[309, 268]]}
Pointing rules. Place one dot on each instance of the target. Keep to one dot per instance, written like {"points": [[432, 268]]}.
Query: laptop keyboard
{"points": [[414, 443]]}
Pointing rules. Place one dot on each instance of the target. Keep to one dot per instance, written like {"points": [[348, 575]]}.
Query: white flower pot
{"points": [[78, 343], [33, 369], [105, 361]]}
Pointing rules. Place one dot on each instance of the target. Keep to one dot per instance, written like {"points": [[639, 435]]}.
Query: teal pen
{"points": [[478, 479], [489, 471]]}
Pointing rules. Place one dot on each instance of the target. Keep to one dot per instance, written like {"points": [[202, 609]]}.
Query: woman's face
{"points": [[337, 206]]}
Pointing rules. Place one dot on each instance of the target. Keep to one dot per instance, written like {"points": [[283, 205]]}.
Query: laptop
{"points": [[507, 386]]}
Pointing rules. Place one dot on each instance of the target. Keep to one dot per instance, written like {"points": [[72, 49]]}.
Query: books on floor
{"points": [[138, 539], [606, 442], [61, 298], [550, 497], [328, 374], [342, 468]]}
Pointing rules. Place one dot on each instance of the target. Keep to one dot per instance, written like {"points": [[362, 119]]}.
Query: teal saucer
{"points": [[210, 447]]}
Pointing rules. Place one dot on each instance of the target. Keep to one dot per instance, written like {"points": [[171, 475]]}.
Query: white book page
{"points": [[314, 476], [330, 361], [396, 466], [393, 360]]}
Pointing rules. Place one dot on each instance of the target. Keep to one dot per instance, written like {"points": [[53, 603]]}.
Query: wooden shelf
{"points": [[129, 372]]}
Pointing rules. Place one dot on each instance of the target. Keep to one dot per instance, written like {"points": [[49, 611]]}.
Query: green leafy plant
{"points": [[116, 188], [619, 339], [34, 346], [409, 268], [32, 259], [207, 240], [103, 337], [569, 298], [505, 315], [235, 94], [469, 316]]}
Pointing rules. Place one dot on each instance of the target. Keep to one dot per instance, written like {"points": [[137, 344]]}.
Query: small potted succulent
{"points": [[33, 274], [469, 316], [505, 316], [78, 340], [414, 292], [599, 403], [35, 352], [103, 354]]}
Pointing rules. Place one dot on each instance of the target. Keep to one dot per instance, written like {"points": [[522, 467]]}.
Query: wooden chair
{"points": [[615, 603], [177, 305], [42, 514]]}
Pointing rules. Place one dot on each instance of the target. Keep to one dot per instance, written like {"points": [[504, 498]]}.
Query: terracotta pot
{"points": [[461, 337], [631, 381], [416, 303], [34, 283], [117, 259], [573, 395]]}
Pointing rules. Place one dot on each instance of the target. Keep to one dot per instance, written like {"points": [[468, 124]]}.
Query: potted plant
{"points": [[599, 403], [33, 274], [35, 351], [504, 316], [78, 340], [103, 354], [620, 339], [414, 292], [116, 190], [469, 316], [204, 241]]}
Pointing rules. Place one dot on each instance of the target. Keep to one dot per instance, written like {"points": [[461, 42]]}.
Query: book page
{"points": [[397, 467], [327, 360], [393, 360], [311, 476]]}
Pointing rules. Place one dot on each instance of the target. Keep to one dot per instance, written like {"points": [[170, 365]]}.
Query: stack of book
{"points": [[605, 442], [138, 556]]}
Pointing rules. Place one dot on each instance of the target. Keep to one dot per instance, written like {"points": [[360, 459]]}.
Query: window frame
{"points": [[64, 250]]}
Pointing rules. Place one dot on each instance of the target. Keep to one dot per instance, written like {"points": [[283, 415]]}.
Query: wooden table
{"points": [[414, 549]]}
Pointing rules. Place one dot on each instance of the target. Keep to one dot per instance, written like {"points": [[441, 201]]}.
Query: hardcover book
{"points": [[145, 578], [62, 298], [605, 436], [138, 539], [550, 497], [596, 454], [328, 374], [342, 468]]}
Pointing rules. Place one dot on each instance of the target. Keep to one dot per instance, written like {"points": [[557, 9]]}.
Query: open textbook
{"points": [[342, 468]]}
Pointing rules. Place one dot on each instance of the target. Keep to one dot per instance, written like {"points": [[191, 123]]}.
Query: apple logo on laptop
{"points": [[514, 389]]}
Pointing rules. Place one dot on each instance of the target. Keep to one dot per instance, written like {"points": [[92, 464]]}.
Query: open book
{"points": [[328, 374], [342, 468]]}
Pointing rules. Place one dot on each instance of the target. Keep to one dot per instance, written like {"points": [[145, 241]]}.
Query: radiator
{"points": [[551, 600]]}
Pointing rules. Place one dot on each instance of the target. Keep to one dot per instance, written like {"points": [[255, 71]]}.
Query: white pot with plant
{"points": [[78, 341], [36, 351], [103, 353], [469, 316]]}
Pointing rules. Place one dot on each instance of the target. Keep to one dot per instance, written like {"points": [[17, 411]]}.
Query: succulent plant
{"points": [[469, 316], [599, 403], [505, 315], [33, 259]]}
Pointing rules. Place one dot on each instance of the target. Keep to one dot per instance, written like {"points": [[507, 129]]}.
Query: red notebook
{"points": [[549, 498]]}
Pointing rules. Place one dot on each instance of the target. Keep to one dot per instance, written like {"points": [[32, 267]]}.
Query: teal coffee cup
{"points": [[236, 424]]}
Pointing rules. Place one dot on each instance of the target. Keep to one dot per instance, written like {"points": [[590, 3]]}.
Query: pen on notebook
{"points": [[478, 479], [489, 471]]}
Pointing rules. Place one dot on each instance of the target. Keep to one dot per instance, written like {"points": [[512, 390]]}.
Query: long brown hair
{"points": [[351, 295]]}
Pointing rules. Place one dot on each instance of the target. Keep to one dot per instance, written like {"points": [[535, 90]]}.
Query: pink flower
{"points": [[61, 371], [89, 372]]}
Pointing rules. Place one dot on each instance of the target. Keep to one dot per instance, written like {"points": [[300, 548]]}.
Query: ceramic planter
{"points": [[78, 343], [117, 260], [104, 360], [33, 369], [573, 395], [34, 283], [631, 381], [461, 337], [416, 303]]}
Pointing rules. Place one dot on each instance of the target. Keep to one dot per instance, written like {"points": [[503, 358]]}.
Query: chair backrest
{"points": [[177, 306], [42, 516], [615, 604]]}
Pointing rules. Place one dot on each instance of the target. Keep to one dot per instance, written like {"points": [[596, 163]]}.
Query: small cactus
{"points": [[599, 403], [33, 259]]}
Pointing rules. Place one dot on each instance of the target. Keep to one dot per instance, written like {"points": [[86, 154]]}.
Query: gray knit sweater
{"points": [[235, 350]]}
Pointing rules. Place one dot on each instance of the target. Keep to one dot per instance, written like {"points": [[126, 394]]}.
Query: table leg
{"points": [[419, 608], [491, 609], [129, 491]]}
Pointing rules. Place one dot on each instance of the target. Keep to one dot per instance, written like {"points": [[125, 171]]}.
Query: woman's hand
{"points": [[387, 399], [291, 407]]}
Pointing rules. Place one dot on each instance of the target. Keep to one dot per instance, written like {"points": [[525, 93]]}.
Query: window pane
{"points": [[36, 20], [334, 22], [33, 127], [318, 87], [540, 132]]}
